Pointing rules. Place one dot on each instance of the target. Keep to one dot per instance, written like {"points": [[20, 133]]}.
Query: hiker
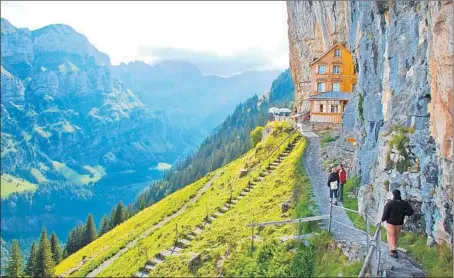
{"points": [[342, 180], [333, 184], [394, 213]]}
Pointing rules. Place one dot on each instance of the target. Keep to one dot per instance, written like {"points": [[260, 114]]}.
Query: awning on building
{"points": [[332, 95]]}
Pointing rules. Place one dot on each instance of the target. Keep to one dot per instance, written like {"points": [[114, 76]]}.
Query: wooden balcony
{"points": [[319, 117]]}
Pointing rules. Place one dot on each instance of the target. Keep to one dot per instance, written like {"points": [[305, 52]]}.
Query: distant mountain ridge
{"points": [[83, 136]]}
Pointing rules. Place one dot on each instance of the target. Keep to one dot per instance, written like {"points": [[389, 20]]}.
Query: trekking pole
{"points": [[330, 217], [367, 231]]}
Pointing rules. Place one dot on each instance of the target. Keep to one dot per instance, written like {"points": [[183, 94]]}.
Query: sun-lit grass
{"points": [[163, 237], [111, 242], [229, 234], [96, 173], [11, 184], [39, 177], [219, 193]]}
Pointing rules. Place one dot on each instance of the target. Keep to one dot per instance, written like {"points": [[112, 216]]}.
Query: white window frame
{"points": [[337, 52], [339, 88], [324, 87], [338, 67], [319, 71]]}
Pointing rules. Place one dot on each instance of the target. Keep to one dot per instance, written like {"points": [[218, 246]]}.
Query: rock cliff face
{"points": [[401, 110]]}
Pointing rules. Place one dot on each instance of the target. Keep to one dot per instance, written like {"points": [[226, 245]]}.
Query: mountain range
{"points": [[79, 134]]}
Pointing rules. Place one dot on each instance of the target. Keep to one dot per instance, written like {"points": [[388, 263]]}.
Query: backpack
{"points": [[342, 176]]}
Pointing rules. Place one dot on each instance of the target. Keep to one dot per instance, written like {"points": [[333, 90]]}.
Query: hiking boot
{"points": [[393, 254]]}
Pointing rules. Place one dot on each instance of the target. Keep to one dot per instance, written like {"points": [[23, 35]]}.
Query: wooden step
{"points": [[197, 231], [141, 274], [183, 243], [155, 261], [224, 209], [165, 253], [218, 213], [176, 249], [235, 201], [190, 237], [149, 268]]}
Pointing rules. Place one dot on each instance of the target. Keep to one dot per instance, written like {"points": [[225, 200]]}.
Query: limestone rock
{"points": [[411, 88]]}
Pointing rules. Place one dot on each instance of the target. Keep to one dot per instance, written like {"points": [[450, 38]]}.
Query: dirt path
{"points": [[131, 244], [402, 267]]}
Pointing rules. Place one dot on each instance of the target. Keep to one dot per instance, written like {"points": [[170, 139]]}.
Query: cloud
{"points": [[209, 62]]}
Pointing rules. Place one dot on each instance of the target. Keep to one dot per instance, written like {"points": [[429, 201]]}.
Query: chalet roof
{"points": [[332, 95], [273, 110], [324, 54], [285, 110]]}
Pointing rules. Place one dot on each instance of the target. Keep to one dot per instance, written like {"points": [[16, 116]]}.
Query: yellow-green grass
{"points": [[39, 177], [214, 198], [11, 184], [435, 260], [229, 233], [97, 172], [111, 242], [331, 263]]}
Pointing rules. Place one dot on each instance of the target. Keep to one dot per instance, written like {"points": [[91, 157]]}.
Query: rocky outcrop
{"points": [[400, 113]]}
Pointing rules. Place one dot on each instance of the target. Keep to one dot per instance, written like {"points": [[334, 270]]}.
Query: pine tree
{"points": [[104, 227], [55, 247], [46, 262], [32, 263], [90, 230], [70, 243], [15, 266], [119, 215]]}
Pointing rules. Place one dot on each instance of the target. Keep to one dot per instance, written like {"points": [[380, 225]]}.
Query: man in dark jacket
{"points": [[333, 184], [394, 214]]}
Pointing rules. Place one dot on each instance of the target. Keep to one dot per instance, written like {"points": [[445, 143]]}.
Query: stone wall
{"points": [[400, 112]]}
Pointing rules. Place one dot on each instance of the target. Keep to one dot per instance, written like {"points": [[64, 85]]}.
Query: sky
{"points": [[218, 37]]}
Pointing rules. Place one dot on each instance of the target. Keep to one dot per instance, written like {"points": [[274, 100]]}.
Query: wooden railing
{"points": [[372, 259]]}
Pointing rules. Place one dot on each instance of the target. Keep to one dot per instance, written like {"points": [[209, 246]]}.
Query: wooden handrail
{"points": [[290, 221], [282, 142]]}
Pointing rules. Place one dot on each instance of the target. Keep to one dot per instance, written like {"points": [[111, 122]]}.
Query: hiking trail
{"points": [[404, 266]]}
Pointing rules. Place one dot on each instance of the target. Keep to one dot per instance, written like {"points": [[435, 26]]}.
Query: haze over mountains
{"points": [[82, 131]]}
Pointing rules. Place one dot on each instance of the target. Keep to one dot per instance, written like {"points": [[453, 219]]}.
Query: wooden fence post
{"points": [[252, 238]]}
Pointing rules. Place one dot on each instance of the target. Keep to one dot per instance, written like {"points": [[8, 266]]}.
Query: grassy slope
{"points": [[11, 184], [114, 240], [255, 160], [225, 246], [109, 244]]}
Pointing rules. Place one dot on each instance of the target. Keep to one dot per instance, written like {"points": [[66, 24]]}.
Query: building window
{"points": [[336, 87], [334, 108], [321, 87], [336, 69], [321, 69], [321, 108], [337, 52]]}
